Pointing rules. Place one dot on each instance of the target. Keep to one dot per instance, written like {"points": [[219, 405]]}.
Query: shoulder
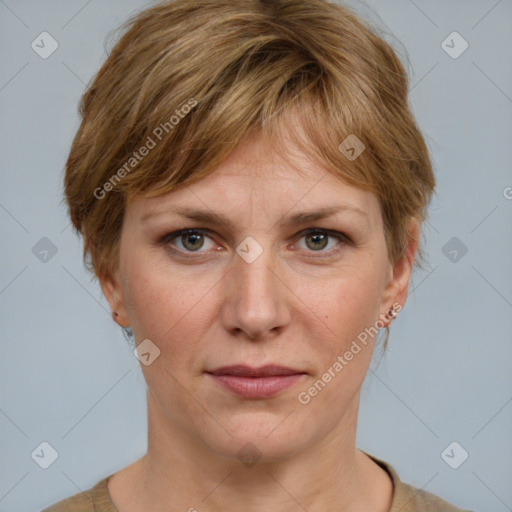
{"points": [[412, 499], [95, 499], [407, 498]]}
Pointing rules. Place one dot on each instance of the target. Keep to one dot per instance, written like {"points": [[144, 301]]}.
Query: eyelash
{"points": [[344, 239]]}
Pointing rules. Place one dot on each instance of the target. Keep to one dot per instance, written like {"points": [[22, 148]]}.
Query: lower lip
{"points": [[256, 387]]}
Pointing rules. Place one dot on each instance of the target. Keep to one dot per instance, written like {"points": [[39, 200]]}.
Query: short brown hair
{"points": [[190, 79]]}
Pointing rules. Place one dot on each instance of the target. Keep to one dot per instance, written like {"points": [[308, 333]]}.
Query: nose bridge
{"points": [[255, 273], [255, 303]]}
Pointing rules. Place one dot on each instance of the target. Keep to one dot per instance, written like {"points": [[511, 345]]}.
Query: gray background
{"points": [[67, 375]]}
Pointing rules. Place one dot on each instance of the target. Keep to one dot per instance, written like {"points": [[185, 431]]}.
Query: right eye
{"points": [[190, 240]]}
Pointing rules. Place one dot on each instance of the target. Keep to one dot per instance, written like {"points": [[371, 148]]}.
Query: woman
{"points": [[250, 185]]}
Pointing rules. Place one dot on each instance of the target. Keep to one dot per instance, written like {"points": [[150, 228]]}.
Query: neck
{"points": [[181, 473]]}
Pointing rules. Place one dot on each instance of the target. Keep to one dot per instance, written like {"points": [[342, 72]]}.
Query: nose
{"points": [[255, 297]]}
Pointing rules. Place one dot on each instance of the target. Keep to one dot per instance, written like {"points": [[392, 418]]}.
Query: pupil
{"points": [[318, 238], [194, 237]]}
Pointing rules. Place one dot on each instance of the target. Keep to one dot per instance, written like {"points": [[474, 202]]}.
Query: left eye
{"points": [[317, 240]]}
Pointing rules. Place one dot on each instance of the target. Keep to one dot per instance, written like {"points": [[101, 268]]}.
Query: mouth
{"points": [[270, 370], [255, 383]]}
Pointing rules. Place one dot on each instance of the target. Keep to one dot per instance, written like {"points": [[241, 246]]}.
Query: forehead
{"points": [[258, 179]]}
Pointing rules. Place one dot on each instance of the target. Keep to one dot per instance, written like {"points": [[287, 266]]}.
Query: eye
{"points": [[196, 240], [316, 240], [189, 240]]}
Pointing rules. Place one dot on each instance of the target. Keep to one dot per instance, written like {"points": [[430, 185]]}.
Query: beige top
{"points": [[406, 498]]}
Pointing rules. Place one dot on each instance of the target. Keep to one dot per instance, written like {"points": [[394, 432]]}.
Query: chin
{"points": [[260, 436]]}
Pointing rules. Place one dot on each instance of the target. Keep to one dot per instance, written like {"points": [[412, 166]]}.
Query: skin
{"points": [[287, 307]]}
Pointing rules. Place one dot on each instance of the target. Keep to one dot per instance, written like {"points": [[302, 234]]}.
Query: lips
{"points": [[263, 371], [255, 383]]}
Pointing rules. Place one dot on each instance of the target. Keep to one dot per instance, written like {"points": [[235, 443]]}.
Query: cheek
{"points": [[166, 305], [345, 346], [345, 301], [341, 311]]}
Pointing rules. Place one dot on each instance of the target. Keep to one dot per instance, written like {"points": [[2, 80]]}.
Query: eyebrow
{"points": [[221, 220]]}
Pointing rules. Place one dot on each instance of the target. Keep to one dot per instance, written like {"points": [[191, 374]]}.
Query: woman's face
{"points": [[256, 284]]}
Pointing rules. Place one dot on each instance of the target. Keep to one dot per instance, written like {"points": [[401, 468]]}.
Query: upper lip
{"points": [[241, 370]]}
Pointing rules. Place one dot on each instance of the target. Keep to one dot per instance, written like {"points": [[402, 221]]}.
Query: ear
{"points": [[112, 289], [397, 285]]}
